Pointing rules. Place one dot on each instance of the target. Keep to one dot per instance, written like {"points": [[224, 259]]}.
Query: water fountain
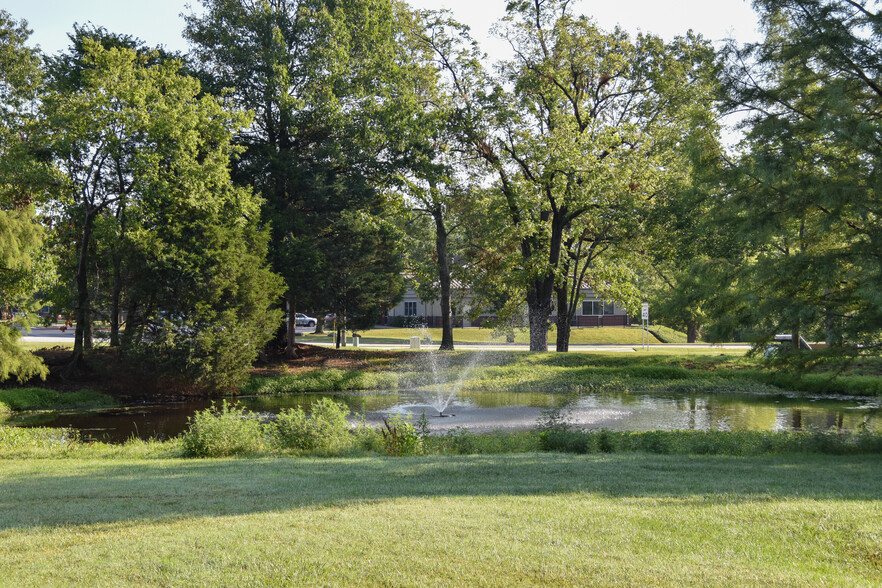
{"points": [[442, 389]]}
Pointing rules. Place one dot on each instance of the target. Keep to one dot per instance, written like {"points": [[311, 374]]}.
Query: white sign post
{"points": [[644, 319]]}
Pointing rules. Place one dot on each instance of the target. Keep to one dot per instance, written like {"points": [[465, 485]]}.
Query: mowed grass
{"points": [[513, 520], [37, 345], [578, 336]]}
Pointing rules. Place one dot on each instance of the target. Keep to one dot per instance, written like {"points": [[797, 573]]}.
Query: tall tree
{"points": [[142, 136], [67, 74], [586, 124], [435, 174], [316, 74], [23, 169], [807, 196], [690, 245]]}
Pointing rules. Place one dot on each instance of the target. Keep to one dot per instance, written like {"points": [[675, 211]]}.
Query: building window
{"points": [[597, 308], [592, 307], [410, 309]]}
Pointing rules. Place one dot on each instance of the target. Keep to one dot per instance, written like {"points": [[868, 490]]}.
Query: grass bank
{"points": [[520, 371], [35, 345], [528, 519], [20, 399]]}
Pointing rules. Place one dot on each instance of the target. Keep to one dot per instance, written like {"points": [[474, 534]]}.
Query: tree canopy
{"points": [[805, 191], [22, 165]]}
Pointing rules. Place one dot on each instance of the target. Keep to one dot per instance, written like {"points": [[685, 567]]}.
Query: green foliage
{"points": [[225, 431], [407, 322], [736, 443], [400, 437], [229, 431], [461, 441], [805, 188], [325, 429], [184, 247], [22, 174], [584, 128], [24, 439], [15, 361], [43, 399], [320, 78], [324, 380]]}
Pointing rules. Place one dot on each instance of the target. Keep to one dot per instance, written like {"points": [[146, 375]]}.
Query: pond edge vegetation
{"points": [[226, 430]]}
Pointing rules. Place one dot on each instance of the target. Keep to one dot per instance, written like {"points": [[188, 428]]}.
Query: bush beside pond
{"points": [[735, 443]]}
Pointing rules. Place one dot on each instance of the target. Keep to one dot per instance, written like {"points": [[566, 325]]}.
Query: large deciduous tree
{"points": [[434, 170], [586, 132]]}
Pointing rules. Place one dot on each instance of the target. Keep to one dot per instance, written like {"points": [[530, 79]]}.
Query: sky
{"points": [[159, 22]]}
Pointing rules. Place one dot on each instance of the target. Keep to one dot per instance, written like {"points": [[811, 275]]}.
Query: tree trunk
{"points": [[539, 311], [541, 290], [563, 319], [82, 311], [87, 331], [116, 294], [129, 331], [291, 331], [115, 302], [692, 333], [320, 324], [443, 280]]}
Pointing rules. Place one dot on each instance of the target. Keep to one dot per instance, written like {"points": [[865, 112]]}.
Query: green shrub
{"points": [[822, 383], [224, 432], [19, 438], [324, 429], [737, 443], [400, 437], [461, 441], [5, 408], [407, 322]]}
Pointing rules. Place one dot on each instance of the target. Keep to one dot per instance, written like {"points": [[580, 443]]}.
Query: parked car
{"points": [[301, 320]]}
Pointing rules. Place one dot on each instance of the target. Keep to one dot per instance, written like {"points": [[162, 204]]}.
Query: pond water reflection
{"points": [[486, 411]]}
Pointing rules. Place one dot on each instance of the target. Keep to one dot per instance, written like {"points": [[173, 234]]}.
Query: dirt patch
{"points": [[308, 357]]}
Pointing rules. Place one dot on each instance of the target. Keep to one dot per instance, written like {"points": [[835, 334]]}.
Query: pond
{"points": [[488, 411]]}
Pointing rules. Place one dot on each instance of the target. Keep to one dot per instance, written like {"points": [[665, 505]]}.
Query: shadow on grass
{"points": [[39, 493]]}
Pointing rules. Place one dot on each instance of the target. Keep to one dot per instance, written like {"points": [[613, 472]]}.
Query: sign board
{"points": [[645, 312]]}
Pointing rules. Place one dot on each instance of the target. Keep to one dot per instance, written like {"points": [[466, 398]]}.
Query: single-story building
{"points": [[592, 312]]}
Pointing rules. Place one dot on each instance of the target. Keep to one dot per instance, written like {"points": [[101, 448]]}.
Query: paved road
{"points": [[55, 335], [49, 335], [524, 347]]}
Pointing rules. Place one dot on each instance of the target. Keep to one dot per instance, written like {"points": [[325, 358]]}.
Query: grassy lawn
{"points": [[562, 520], [17, 399], [579, 336], [34, 345]]}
